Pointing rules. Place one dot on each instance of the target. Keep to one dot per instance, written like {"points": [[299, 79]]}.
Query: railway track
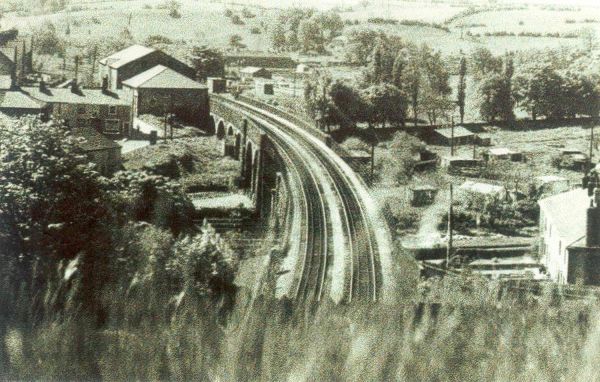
{"points": [[363, 276]]}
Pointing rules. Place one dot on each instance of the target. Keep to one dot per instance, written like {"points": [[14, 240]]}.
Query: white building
{"points": [[570, 237]]}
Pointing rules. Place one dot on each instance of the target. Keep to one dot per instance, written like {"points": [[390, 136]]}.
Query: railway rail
{"points": [[363, 276]]}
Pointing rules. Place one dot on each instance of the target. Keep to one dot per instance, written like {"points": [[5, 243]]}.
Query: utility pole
{"points": [[450, 227], [452, 138], [76, 68], [95, 53], [372, 153], [591, 145]]}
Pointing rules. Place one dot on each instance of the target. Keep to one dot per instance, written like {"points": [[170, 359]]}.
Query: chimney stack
{"points": [[104, 84], [43, 87], [14, 83], [74, 86]]}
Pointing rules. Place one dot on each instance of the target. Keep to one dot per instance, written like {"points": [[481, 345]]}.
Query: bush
{"points": [[174, 13], [247, 14], [228, 13], [237, 20], [255, 30]]}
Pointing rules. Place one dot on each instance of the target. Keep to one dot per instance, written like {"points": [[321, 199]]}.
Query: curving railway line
{"points": [[338, 216]]}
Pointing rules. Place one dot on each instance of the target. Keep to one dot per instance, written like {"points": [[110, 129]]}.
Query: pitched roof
{"points": [[251, 69], [83, 96], [568, 212], [18, 100], [94, 140], [481, 188], [459, 131], [501, 151], [127, 55], [161, 77]]}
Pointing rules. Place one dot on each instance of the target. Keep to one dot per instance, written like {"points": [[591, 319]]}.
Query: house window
{"points": [[126, 127], [112, 126], [81, 109], [112, 110]]}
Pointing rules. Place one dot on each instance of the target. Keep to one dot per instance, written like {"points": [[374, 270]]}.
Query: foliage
{"points": [[208, 62], [484, 62], [304, 29], [47, 40], [397, 164], [154, 199], [384, 103], [461, 91], [235, 42], [497, 99]]}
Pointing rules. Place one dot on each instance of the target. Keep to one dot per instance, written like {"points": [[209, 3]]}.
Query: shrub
{"points": [[247, 14], [228, 13], [237, 20], [255, 30], [174, 13]]}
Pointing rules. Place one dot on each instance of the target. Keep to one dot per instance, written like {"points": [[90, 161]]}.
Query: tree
{"points": [[436, 85], [484, 62], [462, 85], [399, 164], [53, 202], [347, 104], [387, 104], [497, 100], [207, 62], [235, 42], [542, 93], [154, 199], [413, 86], [317, 95], [47, 40]]}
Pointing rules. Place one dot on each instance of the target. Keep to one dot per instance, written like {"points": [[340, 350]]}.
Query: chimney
{"points": [[105, 84], [592, 229], [43, 87], [13, 78], [74, 86]]}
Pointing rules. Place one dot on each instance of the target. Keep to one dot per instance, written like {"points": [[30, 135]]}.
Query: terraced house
{"points": [[108, 111]]}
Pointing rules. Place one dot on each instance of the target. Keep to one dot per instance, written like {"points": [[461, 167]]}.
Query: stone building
{"points": [[161, 90], [105, 153], [570, 237], [108, 111], [129, 62]]}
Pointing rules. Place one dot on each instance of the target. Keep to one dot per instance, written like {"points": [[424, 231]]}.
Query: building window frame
{"points": [[116, 131], [112, 110]]}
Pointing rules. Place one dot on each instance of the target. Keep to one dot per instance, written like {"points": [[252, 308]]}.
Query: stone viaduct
{"points": [[243, 140]]}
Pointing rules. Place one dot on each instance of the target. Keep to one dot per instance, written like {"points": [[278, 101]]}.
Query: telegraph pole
{"points": [[450, 227], [591, 145], [452, 139]]}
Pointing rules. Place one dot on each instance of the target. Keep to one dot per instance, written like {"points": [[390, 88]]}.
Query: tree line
{"points": [[399, 82]]}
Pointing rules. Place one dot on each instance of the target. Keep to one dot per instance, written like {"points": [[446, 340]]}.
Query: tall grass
{"points": [[450, 329]]}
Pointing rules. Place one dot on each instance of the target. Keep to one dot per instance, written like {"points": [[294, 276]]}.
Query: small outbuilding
{"points": [[251, 72], [460, 136], [485, 189], [104, 152], [264, 87], [552, 184], [501, 153], [422, 195], [216, 85]]}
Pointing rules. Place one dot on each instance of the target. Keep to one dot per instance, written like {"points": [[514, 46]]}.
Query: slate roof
{"points": [[83, 96], [94, 141], [481, 188], [161, 77], [127, 55], [501, 151], [251, 69], [568, 212], [18, 100], [459, 131]]}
